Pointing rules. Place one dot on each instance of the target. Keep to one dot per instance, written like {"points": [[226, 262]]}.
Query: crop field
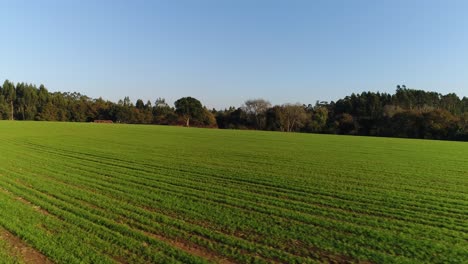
{"points": [[100, 193]]}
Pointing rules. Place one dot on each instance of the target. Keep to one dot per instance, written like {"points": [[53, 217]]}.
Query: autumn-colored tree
{"points": [[292, 117]]}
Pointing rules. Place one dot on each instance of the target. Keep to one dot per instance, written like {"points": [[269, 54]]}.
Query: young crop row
{"points": [[440, 206], [194, 196], [287, 215], [359, 200]]}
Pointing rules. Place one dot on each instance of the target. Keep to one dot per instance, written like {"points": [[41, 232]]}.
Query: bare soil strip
{"points": [[193, 249], [23, 251]]}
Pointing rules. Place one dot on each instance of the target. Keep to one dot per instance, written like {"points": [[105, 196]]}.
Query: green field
{"points": [[97, 193]]}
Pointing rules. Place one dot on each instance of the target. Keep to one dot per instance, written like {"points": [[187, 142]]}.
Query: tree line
{"points": [[409, 113]]}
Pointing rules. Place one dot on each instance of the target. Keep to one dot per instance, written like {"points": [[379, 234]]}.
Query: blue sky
{"points": [[226, 51]]}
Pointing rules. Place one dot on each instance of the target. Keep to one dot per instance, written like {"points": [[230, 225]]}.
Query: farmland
{"points": [[98, 193]]}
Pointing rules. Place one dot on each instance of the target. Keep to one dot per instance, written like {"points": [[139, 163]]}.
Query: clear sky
{"points": [[226, 51]]}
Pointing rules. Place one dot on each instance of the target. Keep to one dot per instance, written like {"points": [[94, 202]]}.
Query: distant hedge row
{"points": [[406, 113]]}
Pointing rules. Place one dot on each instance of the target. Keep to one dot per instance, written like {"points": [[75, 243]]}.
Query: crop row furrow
{"points": [[294, 208], [411, 209], [100, 226], [271, 212], [358, 183], [64, 201], [364, 205]]}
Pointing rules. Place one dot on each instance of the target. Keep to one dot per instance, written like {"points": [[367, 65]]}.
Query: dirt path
{"points": [[23, 251]]}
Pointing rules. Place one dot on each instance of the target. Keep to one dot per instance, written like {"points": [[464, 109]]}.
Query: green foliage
{"points": [[153, 194], [407, 113], [319, 119], [9, 95], [189, 108]]}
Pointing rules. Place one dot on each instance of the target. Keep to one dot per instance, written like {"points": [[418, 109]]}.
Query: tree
{"points": [[406, 113], [163, 114], [463, 126], [439, 124], [160, 102], [9, 94], [347, 124], [257, 108], [208, 119], [49, 113], [148, 105], [188, 108], [139, 104], [292, 116], [231, 118], [319, 119], [127, 102]]}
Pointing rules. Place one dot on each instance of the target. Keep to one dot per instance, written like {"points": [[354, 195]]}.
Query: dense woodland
{"points": [[407, 113]]}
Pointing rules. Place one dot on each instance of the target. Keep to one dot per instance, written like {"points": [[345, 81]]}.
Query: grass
{"points": [[151, 194]]}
